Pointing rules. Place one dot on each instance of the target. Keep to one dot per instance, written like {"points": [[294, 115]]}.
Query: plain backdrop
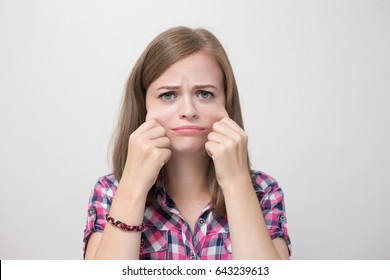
{"points": [[314, 82]]}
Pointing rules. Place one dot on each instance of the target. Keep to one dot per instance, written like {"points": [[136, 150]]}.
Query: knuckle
{"points": [[147, 146], [161, 130], [220, 150], [237, 137], [155, 153], [152, 122], [231, 143]]}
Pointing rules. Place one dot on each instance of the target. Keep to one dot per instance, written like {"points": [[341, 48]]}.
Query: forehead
{"points": [[195, 68]]}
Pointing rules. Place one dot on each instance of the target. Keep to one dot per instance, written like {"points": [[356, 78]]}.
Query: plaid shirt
{"points": [[168, 236]]}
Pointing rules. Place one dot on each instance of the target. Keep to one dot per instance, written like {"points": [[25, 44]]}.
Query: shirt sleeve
{"points": [[272, 204], [98, 206]]}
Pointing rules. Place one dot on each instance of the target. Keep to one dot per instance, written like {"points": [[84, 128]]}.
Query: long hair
{"points": [[166, 49]]}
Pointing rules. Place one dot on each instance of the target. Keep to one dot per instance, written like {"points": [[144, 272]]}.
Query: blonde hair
{"points": [[166, 49]]}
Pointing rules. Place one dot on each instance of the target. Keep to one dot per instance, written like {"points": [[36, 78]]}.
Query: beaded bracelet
{"points": [[123, 226]]}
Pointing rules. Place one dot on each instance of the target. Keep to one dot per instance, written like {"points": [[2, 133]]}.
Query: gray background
{"points": [[315, 91]]}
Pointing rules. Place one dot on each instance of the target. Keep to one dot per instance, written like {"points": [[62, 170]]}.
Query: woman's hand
{"points": [[148, 151], [227, 146]]}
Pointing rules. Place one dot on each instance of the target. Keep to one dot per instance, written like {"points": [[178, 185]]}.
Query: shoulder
{"points": [[262, 182], [108, 181], [105, 186], [268, 191]]}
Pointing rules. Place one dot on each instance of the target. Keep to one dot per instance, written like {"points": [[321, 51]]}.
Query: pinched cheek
{"points": [[150, 115], [158, 116], [217, 113]]}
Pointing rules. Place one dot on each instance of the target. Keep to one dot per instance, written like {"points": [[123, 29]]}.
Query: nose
{"points": [[188, 109]]}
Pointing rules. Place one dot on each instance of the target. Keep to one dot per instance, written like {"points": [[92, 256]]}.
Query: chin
{"points": [[188, 147]]}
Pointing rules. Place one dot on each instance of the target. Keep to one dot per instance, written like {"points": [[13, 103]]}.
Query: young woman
{"points": [[182, 187]]}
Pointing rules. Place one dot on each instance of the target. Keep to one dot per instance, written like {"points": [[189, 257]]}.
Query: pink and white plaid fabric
{"points": [[168, 236]]}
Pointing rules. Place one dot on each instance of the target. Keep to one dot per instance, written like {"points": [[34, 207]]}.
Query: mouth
{"points": [[189, 130]]}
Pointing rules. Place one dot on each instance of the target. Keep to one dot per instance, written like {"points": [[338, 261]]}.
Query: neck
{"points": [[187, 175]]}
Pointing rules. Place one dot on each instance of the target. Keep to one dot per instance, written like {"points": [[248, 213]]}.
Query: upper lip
{"points": [[189, 127]]}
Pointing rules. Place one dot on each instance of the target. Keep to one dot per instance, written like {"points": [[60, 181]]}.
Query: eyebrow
{"points": [[194, 87]]}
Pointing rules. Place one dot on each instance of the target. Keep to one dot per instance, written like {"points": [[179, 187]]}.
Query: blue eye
{"points": [[205, 94], [167, 95]]}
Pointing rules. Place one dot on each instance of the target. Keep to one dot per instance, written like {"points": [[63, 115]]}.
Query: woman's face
{"points": [[186, 100]]}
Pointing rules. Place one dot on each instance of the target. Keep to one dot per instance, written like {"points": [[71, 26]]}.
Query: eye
{"points": [[204, 94], [167, 95]]}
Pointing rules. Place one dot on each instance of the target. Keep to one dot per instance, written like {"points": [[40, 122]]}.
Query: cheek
{"points": [[162, 116], [215, 113], [151, 115]]}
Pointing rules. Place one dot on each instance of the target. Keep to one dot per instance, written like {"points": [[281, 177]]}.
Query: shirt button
{"points": [[192, 256], [92, 211], [142, 243], [201, 221]]}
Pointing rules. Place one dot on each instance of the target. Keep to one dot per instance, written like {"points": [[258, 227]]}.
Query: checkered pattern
{"points": [[168, 236]]}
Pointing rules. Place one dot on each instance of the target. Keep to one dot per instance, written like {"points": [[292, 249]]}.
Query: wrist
{"points": [[133, 186], [128, 205], [237, 185], [132, 191]]}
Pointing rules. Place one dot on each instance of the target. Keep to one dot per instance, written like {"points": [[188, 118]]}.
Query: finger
{"points": [[223, 128], [165, 156], [146, 126], [151, 115], [232, 124], [154, 132], [161, 142], [217, 137], [224, 114], [211, 148]]}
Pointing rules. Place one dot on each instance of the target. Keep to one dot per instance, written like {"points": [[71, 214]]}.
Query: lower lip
{"points": [[188, 131]]}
